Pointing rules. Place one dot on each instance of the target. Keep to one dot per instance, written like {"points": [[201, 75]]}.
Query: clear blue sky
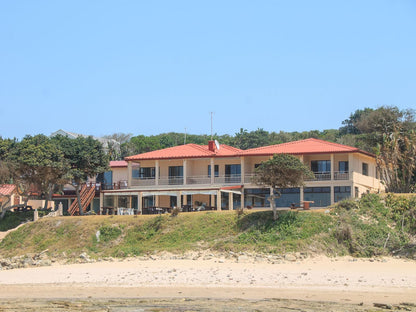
{"points": [[147, 67]]}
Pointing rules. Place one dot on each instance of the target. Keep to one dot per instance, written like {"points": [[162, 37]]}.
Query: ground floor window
{"points": [[256, 197], [148, 201], [341, 192], [321, 196], [288, 196]]}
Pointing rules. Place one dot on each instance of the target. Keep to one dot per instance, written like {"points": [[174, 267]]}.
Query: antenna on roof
{"points": [[211, 124]]}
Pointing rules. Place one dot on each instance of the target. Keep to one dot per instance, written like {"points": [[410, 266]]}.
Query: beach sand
{"points": [[320, 279]]}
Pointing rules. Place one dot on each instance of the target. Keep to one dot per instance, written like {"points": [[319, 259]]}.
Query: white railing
{"points": [[198, 180], [326, 176], [228, 179]]}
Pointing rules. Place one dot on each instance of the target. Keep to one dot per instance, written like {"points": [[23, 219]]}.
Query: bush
{"points": [[109, 233]]}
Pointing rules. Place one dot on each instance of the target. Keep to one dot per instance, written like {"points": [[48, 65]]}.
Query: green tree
{"points": [[280, 172], [246, 140], [37, 162], [86, 158]]}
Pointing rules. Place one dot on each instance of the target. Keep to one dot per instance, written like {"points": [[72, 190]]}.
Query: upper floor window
{"points": [[216, 171], [343, 166], [365, 169], [321, 166], [232, 170], [144, 173]]}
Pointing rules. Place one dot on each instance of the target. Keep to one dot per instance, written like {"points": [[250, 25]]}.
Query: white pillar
{"points": [[350, 165], [242, 198], [212, 171], [302, 194], [242, 170], [185, 172], [218, 200], [101, 202], [157, 173], [332, 195], [129, 173], [179, 199], [230, 201], [332, 168], [139, 202]]}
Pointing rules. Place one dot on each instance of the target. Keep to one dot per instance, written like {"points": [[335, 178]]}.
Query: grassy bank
{"points": [[369, 227]]}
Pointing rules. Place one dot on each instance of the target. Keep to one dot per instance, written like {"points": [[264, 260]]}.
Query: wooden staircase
{"points": [[87, 194]]}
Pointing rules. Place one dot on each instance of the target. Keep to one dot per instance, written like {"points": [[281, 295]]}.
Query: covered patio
{"points": [[163, 201]]}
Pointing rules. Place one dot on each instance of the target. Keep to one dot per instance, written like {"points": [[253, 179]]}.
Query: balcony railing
{"points": [[225, 179], [190, 180], [326, 176]]}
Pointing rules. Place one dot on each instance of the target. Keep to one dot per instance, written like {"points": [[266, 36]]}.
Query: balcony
{"points": [[190, 180], [326, 176]]}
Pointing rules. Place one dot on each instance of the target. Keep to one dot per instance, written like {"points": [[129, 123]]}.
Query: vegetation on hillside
{"points": [[371, 226]]}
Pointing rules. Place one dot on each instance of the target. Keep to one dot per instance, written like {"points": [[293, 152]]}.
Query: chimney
{"points": [[211, 146]]}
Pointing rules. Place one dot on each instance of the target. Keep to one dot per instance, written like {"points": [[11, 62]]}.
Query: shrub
{"points": [[109, 233]]}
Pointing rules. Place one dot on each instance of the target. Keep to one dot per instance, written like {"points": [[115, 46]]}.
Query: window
{"points": [[343, 166], [176, 171], [143, 173], [321, 166], [341, 192], [216, 171], [176, 175], [365, 169], [233, 173]]}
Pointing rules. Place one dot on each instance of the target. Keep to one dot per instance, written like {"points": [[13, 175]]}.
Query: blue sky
{"points": [[147, 67]]}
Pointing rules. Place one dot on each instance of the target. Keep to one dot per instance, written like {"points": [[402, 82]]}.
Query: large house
{"points": [[219, 177]]}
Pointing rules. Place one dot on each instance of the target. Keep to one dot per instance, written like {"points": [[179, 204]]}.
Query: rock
{"points": [[290, 257], [383, 306]]}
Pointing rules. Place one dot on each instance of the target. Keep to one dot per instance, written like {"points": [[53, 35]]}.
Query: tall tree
{"points": [[280, 172], [86, 158], [36, 162]]}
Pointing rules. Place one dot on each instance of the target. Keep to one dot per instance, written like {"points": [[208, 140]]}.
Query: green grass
{"points": [[369, 227]]}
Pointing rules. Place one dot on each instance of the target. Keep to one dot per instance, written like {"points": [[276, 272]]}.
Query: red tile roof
{"points": [[187, 151], [308, 146], [6, 189], [118, 164], [302, 147]]}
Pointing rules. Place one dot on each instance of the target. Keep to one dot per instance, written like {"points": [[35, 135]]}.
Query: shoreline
{"points": [[341, 280]]}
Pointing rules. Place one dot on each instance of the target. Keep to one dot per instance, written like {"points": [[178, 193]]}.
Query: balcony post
{"points": [[242, 170], [212, 171], [184, 172], [332, 167], [350, 165], [230, 201], [129, 173], [157, 174]]}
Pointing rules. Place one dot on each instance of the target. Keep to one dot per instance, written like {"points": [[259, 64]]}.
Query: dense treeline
{"points": [[387, 132], [363, 129]]}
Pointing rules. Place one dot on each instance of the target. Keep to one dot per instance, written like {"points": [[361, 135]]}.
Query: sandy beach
{"points": [[355, 281]]}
